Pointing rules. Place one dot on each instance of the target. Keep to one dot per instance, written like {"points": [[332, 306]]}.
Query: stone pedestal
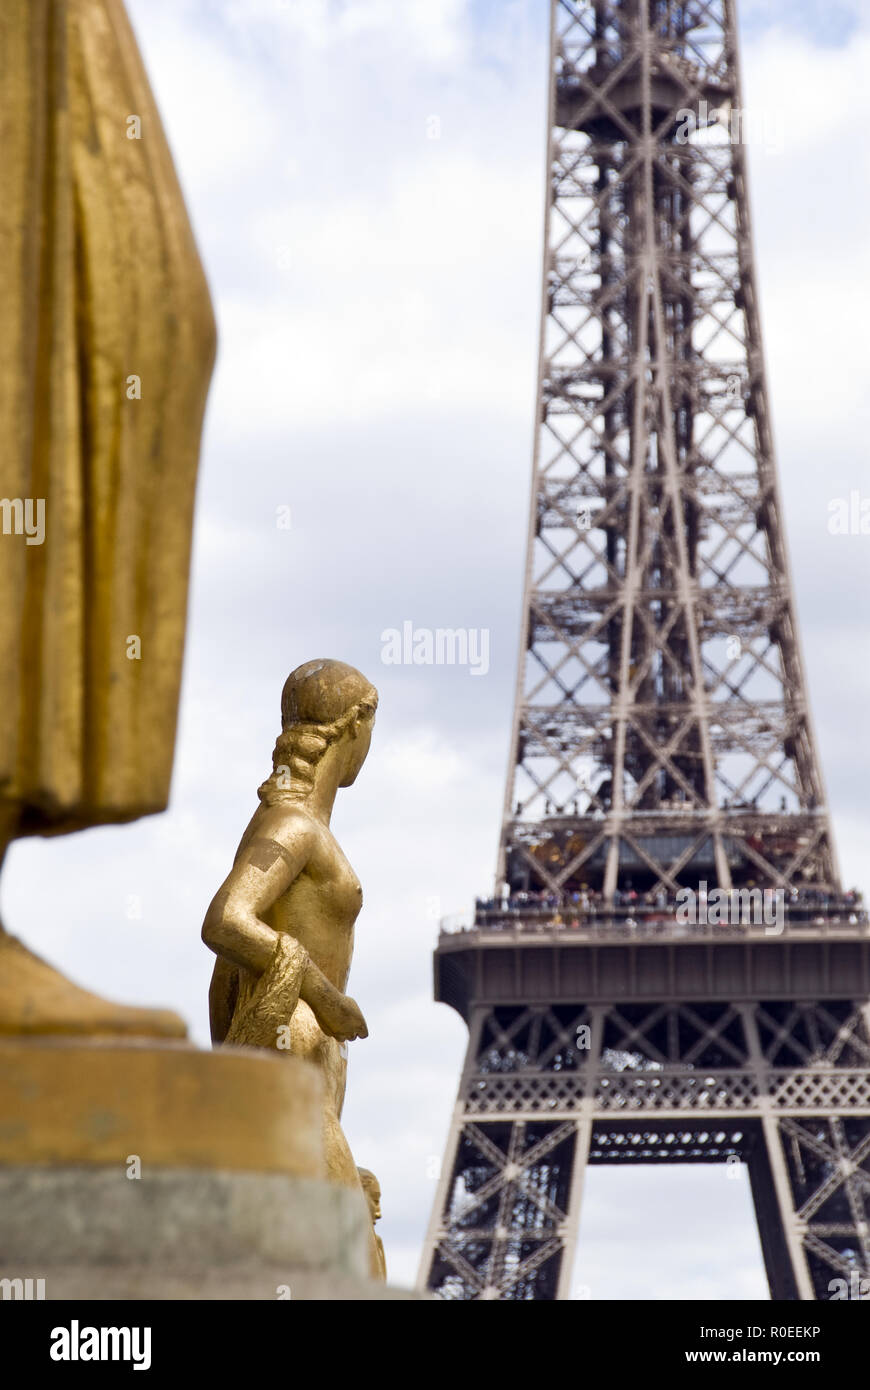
{"points": [[157, 1171]]}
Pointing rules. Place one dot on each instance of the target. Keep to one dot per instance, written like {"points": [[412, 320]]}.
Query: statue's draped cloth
{"points": [[100, 281]]}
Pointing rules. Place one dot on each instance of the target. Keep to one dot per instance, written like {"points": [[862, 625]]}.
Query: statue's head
{"points": [[372, 1189], [323, 704]]}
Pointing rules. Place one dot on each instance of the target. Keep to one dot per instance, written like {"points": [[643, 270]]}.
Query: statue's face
{"points": [[357, 750], [373, 1197]]}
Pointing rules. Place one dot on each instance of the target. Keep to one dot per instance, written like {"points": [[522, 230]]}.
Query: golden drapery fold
{"points": [[101, 288]]}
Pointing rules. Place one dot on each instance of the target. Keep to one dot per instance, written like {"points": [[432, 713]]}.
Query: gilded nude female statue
{"points": [[282, 923]]}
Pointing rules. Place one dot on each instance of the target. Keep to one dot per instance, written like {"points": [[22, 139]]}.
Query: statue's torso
{"points": [[319, 910]]}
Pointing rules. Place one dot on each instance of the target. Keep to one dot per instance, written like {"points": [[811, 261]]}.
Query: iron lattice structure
{"points": [[661, 712], [778, 1084], [662, 736]]}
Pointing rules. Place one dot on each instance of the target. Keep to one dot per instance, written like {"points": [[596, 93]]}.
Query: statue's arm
{"points": [[264, 869]]}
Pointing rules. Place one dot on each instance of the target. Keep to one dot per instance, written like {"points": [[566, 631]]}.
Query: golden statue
{"points": [[282, 923], [372, 1189], [105, 359]]}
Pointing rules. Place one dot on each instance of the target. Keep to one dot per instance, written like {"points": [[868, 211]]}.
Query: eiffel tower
{"points": [[669, 970]]}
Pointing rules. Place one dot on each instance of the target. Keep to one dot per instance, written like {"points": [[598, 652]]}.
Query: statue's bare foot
{"points": [[37, 999]]}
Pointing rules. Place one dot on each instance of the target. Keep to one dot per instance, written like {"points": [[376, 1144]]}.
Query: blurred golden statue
{"points": [[105, 361], [282, 923], [372, 1189]]}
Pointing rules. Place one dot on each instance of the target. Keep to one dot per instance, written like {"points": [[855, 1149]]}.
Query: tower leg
{"points": [[785, 1260], [437, 1220], [565, 1289], [581, 1154]]}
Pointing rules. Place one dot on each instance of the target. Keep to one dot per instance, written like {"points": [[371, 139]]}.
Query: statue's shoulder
{"points": [[288, 824]]}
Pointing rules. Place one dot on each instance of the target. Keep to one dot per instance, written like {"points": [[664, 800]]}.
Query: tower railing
{"points": [[818, 914]]}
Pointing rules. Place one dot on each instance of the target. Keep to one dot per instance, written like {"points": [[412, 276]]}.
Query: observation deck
{"points": [[519, 952]]}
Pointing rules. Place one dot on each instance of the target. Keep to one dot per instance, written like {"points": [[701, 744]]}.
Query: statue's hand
{"points": [[341, 1017]]}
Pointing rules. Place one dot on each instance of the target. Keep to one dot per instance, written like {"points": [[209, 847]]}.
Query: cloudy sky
{"points": [[365, 178]]}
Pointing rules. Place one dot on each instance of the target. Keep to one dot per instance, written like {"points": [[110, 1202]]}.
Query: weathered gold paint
{"points": [[100, 283], [66, 1103]]}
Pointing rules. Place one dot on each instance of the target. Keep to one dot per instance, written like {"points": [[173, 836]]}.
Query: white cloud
{"points": [[429, 33]]}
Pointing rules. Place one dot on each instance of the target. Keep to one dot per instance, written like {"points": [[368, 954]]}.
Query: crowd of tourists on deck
{"points": [[584, 905]]}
